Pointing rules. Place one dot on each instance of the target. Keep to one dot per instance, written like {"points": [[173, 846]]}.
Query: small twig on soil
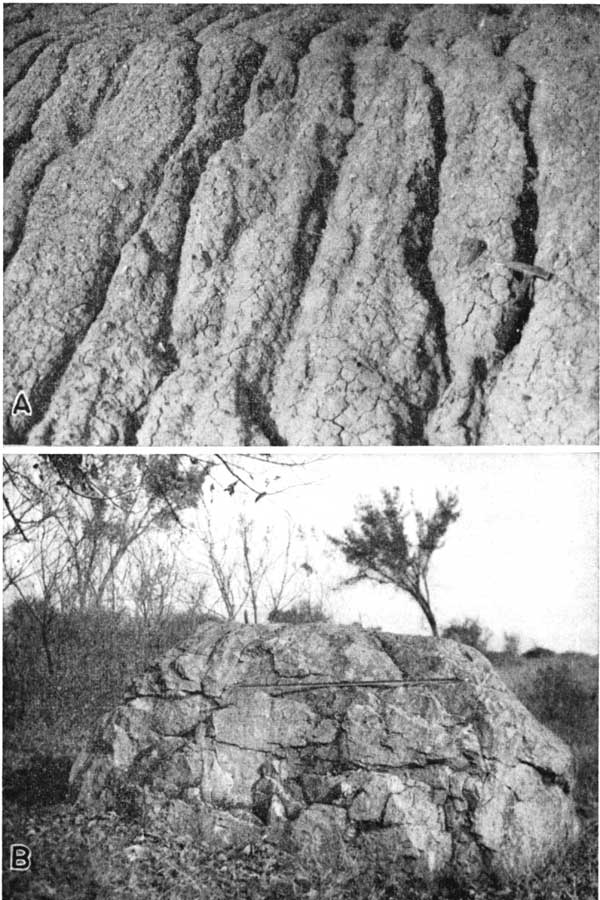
{"points": [[531, 272], [526, 269]]}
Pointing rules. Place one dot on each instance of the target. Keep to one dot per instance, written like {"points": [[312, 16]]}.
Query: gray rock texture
{"points": [[451, 772], [269, 225]]}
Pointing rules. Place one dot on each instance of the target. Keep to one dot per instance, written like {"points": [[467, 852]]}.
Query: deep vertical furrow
{"points": [[17, 74], [417, 234], [22, 135], [524, 227], [472, 416], [312, 224], [253, 408], [14, 15], [194, 161], [313, 218], [31, 36], [107, 92], [19, 231], [80, 119], [251, 402], [15, 35]]}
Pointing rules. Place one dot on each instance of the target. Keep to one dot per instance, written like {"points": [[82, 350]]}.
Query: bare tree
{"points": [[152, 575], [92, 510], [93, 574], [254, 572], [33, 487], [382, 551]]}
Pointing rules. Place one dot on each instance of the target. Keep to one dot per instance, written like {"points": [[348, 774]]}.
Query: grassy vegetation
{"points": [[107, 858]]}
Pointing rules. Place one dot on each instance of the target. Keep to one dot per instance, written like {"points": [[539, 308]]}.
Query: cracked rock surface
{"points": [[268, 225], [444, 773]]}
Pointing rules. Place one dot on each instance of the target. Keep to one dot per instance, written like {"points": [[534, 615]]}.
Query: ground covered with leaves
{"points": [[113, 858]]}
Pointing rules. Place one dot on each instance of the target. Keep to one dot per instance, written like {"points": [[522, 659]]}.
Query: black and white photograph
{"points": [[317, 225], [364, 676], [301, 451]]}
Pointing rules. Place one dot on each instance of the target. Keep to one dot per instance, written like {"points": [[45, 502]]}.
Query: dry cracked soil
{"points": [[322, 224]]}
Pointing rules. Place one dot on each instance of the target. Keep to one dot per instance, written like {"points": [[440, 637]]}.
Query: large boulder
{"points": [[302, 224], [226, 735]]}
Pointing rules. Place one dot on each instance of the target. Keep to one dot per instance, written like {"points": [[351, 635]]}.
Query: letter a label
{"points": [[21, 405], [20, 858]]}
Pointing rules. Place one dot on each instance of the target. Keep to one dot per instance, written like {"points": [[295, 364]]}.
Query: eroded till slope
{"points": [[291, 225]]}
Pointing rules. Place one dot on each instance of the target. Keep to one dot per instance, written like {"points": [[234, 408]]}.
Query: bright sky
{"points": [[523, 556]]}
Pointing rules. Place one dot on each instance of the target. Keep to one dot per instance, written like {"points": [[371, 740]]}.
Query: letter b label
{"points": [[20, 857]]}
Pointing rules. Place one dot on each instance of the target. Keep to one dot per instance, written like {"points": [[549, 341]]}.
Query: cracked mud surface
{"points": [[289, 225], [451, 771]]}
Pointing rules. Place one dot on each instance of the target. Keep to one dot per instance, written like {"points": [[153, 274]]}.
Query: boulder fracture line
{"points": [[316, 685]]}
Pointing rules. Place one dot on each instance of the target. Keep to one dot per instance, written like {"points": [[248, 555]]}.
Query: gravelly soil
{"points": [[290, 225]]}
